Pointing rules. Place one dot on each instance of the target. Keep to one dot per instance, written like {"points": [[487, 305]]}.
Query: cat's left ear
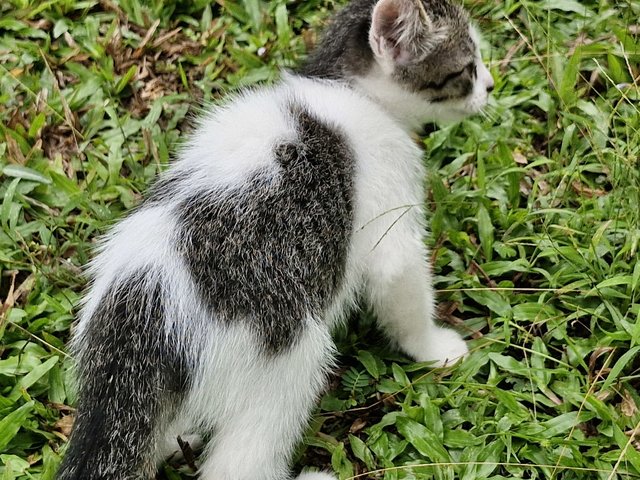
{"points": [[403, 32]]}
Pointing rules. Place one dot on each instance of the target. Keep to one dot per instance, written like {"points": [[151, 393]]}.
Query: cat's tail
{"points": [[130, 377]]}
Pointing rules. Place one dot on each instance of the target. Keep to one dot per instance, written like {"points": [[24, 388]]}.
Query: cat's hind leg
{"points": [[130, 383], [267, 402]]}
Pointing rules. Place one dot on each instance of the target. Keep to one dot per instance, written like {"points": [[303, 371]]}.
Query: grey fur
{"points": [[344, 49], [130, 377], [272, 253], [165, 187], [448, 71], [444, 73]]}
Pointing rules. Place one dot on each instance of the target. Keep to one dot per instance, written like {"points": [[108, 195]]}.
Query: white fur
{"points": [[256, 405], [237, 139], [135, 243], [315, 476], [485, 81], [413, 109]]}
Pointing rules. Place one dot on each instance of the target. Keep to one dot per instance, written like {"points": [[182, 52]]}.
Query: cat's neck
{"points": [[396, 101]]}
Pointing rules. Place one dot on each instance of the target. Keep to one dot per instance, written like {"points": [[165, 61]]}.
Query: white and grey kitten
{"points": [[212, 304]]}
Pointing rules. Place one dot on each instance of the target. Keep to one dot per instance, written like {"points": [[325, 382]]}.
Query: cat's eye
{"points": [[470, 67]]}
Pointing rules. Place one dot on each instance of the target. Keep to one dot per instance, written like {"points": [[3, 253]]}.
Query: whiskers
{"points": [[490, 113]]}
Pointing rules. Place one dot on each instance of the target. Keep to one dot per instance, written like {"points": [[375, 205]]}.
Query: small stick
{"points": [[187, 453]]}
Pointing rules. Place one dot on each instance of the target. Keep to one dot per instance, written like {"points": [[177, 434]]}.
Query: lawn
{"points": [[534, 209]]}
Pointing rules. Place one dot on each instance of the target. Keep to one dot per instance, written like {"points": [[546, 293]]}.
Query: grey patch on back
{"points": [[273, 251]]}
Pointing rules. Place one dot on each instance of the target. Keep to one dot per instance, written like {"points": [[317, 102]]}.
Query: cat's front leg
{"points": [[399, 288]]}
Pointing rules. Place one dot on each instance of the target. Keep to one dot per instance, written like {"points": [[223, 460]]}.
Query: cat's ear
{"points": [[403, 32]]}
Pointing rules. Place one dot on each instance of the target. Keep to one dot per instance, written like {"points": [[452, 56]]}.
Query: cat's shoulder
{"points": [[239, 135], [268, 111], [338, 103]]}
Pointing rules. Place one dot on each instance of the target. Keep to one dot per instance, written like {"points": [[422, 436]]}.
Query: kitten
{"points": [[212, 304]]}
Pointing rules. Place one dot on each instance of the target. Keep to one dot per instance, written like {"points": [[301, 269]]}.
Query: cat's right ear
{"points": [[402, 32]]}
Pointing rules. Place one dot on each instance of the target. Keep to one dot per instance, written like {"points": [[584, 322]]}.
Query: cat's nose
{"points": [[490, 86], [484, 76]]}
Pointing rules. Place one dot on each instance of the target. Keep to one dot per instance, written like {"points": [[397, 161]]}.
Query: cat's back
{"points": [[259, 204], [272, 181], [244, 148], [237, 139]]}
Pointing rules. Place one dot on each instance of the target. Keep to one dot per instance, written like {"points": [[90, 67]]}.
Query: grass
{"points": [[534, 211]]}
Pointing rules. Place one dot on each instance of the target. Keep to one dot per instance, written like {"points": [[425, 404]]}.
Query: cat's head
{"points": [[427, 60]]}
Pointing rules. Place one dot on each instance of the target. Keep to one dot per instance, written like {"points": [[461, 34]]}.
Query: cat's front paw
{"points": [[442, 346]]}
